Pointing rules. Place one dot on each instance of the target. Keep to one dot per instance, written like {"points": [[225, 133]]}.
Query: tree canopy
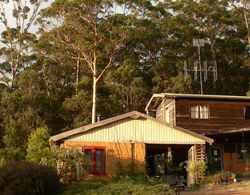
{"points": [[102, 58]]}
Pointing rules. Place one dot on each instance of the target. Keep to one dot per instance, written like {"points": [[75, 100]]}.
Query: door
{"points": [[216, 158]]}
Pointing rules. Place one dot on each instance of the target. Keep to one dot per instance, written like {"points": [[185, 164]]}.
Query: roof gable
{"points": [[129, 116]]}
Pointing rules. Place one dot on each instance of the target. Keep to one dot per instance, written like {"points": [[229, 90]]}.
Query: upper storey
{"points": [[201, 113]]}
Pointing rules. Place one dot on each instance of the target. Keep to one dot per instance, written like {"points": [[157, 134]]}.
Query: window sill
{"points": [[98, 174]]}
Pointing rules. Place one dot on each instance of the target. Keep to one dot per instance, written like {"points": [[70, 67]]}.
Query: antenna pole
{"points": [[199, 66], [199, 53], [199, 43]]}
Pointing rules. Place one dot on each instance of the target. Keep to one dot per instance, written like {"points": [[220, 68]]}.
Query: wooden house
{"points": [[226, 119], [113, 144]]}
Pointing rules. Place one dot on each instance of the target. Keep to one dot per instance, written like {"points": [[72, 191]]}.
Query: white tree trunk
{"points": [[94, 100], [245, 12]]}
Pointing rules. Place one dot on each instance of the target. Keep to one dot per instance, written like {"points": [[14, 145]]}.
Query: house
{"points": [[177, 127], [113, 144], [225, 119]]}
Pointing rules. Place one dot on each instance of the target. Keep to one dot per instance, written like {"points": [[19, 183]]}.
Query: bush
{"points": [[72, 165], [219, 177], [38, 149], [27, 178], [198, 169], [123, 186], [131, 169]]}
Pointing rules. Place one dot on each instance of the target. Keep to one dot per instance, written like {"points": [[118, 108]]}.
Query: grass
{"points": [[123, 186]]}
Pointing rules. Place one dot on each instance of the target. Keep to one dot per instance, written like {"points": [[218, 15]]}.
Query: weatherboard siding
{"points": [[231, 163], [137, 131], [223, 115], [167, 105]]}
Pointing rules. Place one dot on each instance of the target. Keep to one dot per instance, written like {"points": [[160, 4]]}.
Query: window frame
{"points": [[245, 112], [238, 146], [199, 111], [93, 163]]}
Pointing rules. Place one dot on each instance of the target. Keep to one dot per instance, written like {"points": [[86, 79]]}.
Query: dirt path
{"points": [[238, 188]]}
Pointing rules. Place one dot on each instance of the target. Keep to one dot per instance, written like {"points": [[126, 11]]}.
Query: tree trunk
{"points": [[13, 79], [246, 23], [46, 82], [94, 100]]}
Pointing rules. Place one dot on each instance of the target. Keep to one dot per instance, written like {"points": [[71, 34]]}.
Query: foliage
{"points": [[9, 154], [131, 169], [197, 169], [137, 47], [28, 178], [20, 115], [76, 113], [124, 186], [91, 34], [217, 178], [71, 164], [128, 85], [15, 52], [38, 149]]}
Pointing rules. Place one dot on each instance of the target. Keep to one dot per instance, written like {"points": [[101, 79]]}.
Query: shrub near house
{"points": [[28, 178]]}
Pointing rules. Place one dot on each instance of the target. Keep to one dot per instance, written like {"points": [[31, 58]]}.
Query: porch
{"points": [[170, 160], [230, 152]]}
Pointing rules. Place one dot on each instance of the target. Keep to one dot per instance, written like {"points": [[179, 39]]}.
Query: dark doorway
{"points": [[216, 159], [165, 159]]}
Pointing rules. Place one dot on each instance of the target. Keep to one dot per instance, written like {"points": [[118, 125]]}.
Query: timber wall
{"points": [[232, 164], [223, 115]]}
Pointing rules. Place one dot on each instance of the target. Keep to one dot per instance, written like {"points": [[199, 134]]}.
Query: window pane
{"points": [[203, 112], [99, 161], [195, 112], [89, 154], [247, 112], [243, 152]]}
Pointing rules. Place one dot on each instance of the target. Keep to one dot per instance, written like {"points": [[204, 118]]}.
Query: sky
{"points": [[11, 21], [8, 10]]}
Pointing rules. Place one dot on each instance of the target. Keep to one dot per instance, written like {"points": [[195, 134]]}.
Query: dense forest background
{"points": [[51, 58]]}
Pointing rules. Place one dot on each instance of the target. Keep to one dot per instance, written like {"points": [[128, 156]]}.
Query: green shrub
{"points": [[27, 178], [126, 186], [72, 164], [197, 168], [38, 149], [131, 169], [219, 177]]}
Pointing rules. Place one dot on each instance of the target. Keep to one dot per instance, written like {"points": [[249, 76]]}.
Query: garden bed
{"points": [[123, 186]]}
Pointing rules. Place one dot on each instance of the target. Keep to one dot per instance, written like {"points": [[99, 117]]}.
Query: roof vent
{"points": [[98, 118]]}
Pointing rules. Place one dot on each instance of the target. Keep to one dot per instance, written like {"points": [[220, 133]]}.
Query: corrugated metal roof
{"points": [[202, 96], [130, 115], [136, 131], [196, 96]]}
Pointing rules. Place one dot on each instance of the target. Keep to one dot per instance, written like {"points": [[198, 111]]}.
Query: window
{"points": [[247, 112], [243, 151], [199, 111], [97, 156], [229, 148]]}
